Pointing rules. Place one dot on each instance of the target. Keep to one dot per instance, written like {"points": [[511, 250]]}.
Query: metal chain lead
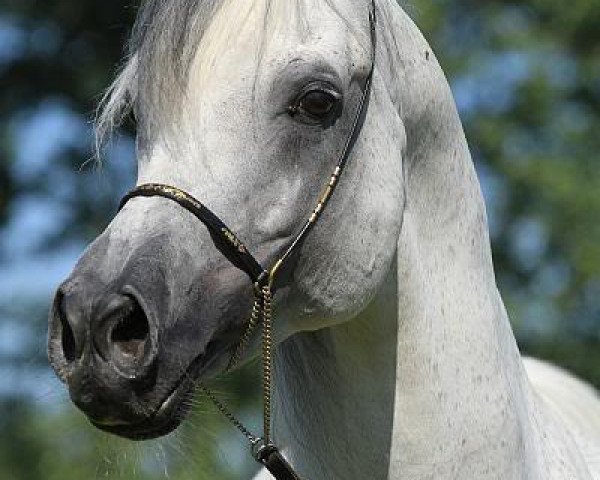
{"points": [[252, 323], [267, 357], [262, 309], [253, 439]]}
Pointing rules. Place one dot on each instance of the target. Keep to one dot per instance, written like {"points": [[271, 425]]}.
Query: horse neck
{"points": [[463, 406], [334, 401], [428, 380], [425, 383]]}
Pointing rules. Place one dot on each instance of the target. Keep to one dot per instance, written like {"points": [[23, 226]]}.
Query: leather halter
{"points": [[263, 278]]}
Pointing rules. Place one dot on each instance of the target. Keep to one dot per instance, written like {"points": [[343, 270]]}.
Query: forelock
{"points": [[164, 39]]}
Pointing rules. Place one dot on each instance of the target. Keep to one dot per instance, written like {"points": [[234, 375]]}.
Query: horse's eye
{"points": [[317, 103]]}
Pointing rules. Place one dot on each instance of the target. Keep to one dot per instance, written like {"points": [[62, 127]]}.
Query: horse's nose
{"points": [[114, 333], [67, 334], [122, 337]]}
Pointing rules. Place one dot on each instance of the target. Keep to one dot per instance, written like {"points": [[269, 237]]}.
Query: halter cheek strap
{"points": [[264, 451]]}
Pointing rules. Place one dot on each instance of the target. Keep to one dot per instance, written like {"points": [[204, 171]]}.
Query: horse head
{"points": [[246, 106]]}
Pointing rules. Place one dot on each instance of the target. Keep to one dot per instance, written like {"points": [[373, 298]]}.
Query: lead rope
{"points": [[262, 448]]}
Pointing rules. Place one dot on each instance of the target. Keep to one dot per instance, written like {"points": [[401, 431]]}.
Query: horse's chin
{"points": [[169, 415], [173, 409]]}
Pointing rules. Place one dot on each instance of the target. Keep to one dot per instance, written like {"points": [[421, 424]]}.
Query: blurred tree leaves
{"points": [[69, 48], [63, 52]]}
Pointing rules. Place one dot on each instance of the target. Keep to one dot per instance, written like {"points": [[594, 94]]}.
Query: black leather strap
{"points": [[276, 464], [225, 240]]}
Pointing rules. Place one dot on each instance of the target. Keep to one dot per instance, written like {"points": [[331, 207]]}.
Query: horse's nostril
{"points": [[131, 333], [67, 336]]}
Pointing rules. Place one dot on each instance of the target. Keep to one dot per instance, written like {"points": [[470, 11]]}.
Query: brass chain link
{"points": [[267, 358], [227, 414], [262, 310], [252, 323]]}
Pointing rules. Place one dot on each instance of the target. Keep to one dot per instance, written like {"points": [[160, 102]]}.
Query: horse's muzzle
{"points": [[104, 347]]}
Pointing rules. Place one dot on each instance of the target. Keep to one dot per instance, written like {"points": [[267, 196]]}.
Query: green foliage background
{"points": [[526, 76]]}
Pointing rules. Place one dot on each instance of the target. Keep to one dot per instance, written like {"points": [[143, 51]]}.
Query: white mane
{"points": [[162, 41]]}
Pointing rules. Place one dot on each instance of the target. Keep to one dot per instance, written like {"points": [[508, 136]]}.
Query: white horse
{"points": [[395, 356]]}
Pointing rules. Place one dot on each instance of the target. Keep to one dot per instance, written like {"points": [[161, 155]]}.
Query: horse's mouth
{"points": [[167, 417], [173, 409]]}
